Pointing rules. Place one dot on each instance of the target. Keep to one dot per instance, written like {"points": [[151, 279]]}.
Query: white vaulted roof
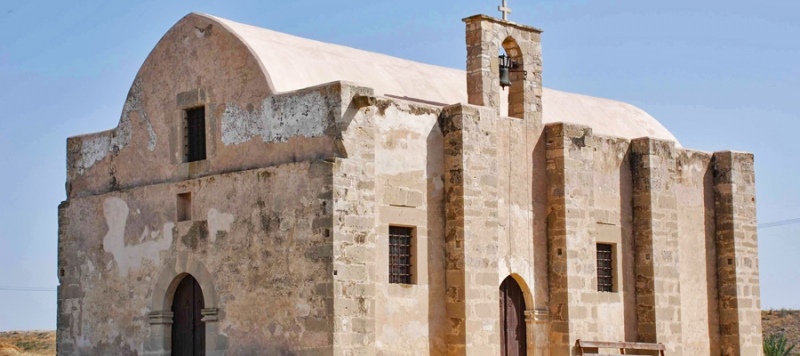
{"points": [[292, 63]]}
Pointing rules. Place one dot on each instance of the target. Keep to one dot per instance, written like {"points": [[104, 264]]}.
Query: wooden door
{"points": [[513, 333], [188, 331]]}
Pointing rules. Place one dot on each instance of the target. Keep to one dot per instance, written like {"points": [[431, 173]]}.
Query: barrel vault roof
{"points": [[291, 63]]}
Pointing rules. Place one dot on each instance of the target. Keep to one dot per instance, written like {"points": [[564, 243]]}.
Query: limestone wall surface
{"points": [[259, 243], [199, 63], [290, 214], [409, 187], [612, 215], [694, 190]]}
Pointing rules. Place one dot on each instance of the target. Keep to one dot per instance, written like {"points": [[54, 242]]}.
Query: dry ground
{"points": [[42, 343], [786, 321], [28, 343]]}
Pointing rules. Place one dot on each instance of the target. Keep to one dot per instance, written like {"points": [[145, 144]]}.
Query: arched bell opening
{"points": [[512, 79], [513, 323]]}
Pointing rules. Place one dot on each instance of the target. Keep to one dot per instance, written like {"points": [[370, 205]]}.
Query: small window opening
{"points": [[605, 268], [185, 207], [195, 134], [400, 255]]}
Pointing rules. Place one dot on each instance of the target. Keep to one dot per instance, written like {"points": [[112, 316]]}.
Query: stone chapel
{"points": [[265, 194]]}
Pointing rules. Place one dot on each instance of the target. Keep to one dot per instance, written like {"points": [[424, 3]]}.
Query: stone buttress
{"points": [[737, 254]]}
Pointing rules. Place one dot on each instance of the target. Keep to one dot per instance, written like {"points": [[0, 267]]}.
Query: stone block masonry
{"points": [[486, 36], [570, 181], [471, 230], [354, 230], [655, 226], [737, 252], [285, 224]]}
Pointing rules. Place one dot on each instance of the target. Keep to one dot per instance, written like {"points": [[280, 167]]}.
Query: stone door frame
{"points": [[159, 342]]}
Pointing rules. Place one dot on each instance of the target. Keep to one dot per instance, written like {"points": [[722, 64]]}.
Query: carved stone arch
{"points": [[526, 290], [159, 343], [516, 93], [172, 273], [535, 319]]}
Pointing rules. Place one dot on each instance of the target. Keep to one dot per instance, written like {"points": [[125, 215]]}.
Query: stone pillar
{"points": [[485, 37], [160, 341], [655, 230], [569, 193], [471, 222], [69, 290], [737, 254], [215, 345], [354, 236]]}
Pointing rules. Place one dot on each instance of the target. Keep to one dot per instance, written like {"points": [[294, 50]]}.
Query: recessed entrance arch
{"points": [[188, 328], [173, 281], [513, 329]]}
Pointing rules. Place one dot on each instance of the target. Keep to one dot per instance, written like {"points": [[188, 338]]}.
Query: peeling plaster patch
{"points": [[302, 309], [404, 138], [122, 136], [218, 222], [116, 212], [96, 149], [93, 150], [278, 119]]}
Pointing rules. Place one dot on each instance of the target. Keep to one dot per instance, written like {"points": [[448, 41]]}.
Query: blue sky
{"points": [[718, 74]]}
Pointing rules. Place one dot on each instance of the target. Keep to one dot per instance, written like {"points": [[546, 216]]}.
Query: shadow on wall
{"points": [[437, 318]]}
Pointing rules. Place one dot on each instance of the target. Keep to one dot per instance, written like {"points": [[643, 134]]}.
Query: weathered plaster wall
{"points": [[694, 190], [409, 187], [295, 257], [199, 63], [263, 235], [354, 238]]}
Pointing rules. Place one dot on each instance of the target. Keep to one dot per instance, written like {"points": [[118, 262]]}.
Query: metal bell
{"points": [[504, 80]]}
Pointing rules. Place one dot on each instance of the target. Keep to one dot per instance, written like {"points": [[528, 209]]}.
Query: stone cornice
{"points": [[502, 22]]}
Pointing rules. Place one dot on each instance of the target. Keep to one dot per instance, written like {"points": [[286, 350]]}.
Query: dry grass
{"points": [[782, 321], [28, 343], [43, 343]]}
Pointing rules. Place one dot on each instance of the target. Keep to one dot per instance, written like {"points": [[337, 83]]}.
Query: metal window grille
{"points": [[400, 255], [605, 268], [195, 134]]}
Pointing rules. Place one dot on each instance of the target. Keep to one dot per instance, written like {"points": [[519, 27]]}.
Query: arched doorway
{"points": [[513, 333], [188, 329]]}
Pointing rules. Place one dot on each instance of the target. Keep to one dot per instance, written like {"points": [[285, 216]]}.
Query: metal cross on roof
{"points": [[505, 10]]}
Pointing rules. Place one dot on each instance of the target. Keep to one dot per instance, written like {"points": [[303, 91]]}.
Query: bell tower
{"points": [[486, 36]]}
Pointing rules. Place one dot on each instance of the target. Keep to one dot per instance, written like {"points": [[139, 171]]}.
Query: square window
{"points": [[400, 255], [195, 134], [184, 207], [605, 268]]}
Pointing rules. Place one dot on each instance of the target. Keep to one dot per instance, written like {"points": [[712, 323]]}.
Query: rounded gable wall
{"points": [[199, 63]]}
